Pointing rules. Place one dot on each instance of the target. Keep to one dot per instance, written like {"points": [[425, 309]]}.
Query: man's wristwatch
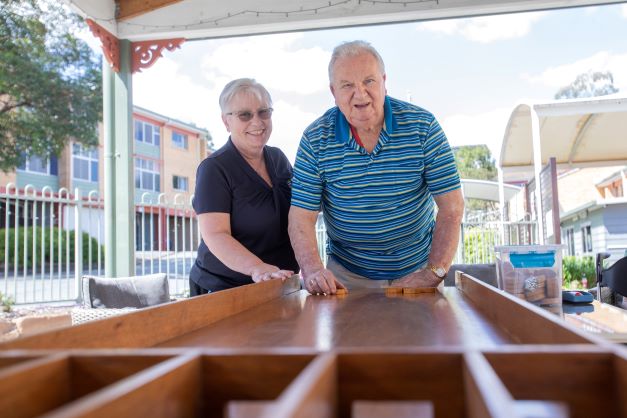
{"points": [[440, 272]]}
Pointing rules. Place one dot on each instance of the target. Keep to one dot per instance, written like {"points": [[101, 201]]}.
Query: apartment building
{"points": [[166, 153]]}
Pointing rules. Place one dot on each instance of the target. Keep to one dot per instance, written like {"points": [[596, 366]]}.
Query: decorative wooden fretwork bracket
{"points": [[110, 44], [146, 53], [143, 53]]}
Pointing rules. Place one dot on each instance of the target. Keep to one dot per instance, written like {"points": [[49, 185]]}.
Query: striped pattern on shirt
{"points": [[378, 208]]}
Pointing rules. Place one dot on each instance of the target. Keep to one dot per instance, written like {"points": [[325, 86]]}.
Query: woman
{"points": [[242, 198]]}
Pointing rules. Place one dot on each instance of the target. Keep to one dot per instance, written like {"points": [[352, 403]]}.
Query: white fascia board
{"points": [[351, 14]]}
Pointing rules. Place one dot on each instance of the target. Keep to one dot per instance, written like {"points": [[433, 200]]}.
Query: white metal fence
{"points": [[43, 259]]}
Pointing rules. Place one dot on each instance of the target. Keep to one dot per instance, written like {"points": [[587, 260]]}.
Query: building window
{"points": [[85, 163], [147, 133], [147, 175], [570, 240], [586, 239], [179, 140], [180, 183], [39, 165]]}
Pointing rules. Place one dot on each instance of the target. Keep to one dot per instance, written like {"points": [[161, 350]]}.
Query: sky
{"points": [[470, 73]]}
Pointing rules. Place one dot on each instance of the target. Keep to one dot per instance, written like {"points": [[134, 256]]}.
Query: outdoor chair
{"points": [[614, 277], [125, 292]]}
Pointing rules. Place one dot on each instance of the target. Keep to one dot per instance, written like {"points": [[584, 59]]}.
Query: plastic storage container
{"points": [[531, 272]]}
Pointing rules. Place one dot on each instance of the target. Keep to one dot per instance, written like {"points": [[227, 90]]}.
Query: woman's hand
{"points": [[263, 272]]}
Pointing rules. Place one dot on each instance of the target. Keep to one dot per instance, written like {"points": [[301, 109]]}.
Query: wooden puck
{"points": [[415, 290], [341, 292]]}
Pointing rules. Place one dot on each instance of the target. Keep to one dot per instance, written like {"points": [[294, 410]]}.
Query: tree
{"points": [[476, 162], [50, 81], [590, 84]]}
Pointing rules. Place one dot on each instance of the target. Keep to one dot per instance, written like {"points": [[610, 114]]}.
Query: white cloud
{"points": [[475, 129], [288, 124], [162, 89], [624, 9], [272, 60], [563, 75], [488, 28], [269, 59]]}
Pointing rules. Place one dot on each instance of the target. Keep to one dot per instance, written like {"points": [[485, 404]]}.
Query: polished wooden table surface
{"points": [[608, 321], [363, 318]]}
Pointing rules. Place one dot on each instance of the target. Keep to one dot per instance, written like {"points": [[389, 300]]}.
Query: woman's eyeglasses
{"points": [[247, 115]]}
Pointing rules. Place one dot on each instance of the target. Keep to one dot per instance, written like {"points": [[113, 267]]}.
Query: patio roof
{"points": [[578, 133], [139, 20]]}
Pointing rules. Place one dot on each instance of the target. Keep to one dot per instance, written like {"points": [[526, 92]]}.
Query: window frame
{"points": [[27, 163], [586, 238], [176, 144], [86, 154], [144, 166], [174, 183], [140, 135]]}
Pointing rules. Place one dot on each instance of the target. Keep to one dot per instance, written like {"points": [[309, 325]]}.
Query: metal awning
{"points": [[487, 190], [588, 132]]}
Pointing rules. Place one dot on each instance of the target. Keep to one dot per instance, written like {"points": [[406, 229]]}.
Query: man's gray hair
{"points": [[233, 88], [353, 49]]}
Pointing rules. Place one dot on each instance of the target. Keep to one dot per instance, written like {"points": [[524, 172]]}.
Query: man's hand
{"points": [[322, 281], [420, 278]]}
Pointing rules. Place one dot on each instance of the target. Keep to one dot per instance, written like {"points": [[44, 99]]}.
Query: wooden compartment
{"points": [[432, 377], [591, 384], [33, 387], [246, 382]]}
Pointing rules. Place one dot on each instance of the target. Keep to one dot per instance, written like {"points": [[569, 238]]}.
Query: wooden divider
{"points": [[512, 382], [312, 394], [150, 326], [523, 322], [168, 389], [485, 394]]}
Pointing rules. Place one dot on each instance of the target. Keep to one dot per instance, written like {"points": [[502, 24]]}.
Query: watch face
{"points": [[440, 272]]}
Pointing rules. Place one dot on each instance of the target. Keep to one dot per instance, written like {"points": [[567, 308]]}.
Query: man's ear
{"points": [[333, 93], [226, 123]]}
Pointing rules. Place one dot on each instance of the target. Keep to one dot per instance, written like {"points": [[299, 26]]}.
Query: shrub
{"points": [[479, 245], [58, 244], [574, 268]]}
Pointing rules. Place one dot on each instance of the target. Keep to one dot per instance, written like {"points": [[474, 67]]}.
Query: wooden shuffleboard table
{"points": [[272, 350]]}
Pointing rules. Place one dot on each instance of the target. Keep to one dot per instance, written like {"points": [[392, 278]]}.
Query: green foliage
{"points": [[574, 268], [479, 245], [476, 162], [60, 243], [590, 84], [50, 81], [6, 303]]}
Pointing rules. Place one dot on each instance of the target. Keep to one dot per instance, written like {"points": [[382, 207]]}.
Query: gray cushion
{"points": [[484, 272], [125, 292]]}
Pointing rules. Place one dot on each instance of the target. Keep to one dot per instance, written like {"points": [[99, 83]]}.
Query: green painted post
{"points": [[119, 168], [108, 111], [124, 166]]}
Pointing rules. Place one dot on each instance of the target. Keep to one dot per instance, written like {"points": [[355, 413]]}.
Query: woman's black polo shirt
{"points": [[226, 183]]}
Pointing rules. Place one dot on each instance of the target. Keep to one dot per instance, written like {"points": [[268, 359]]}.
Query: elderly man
{"points": [[374, 165]]}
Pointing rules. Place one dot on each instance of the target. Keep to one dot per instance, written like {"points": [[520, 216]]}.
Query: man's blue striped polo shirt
{"points": [[378, 208]]}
